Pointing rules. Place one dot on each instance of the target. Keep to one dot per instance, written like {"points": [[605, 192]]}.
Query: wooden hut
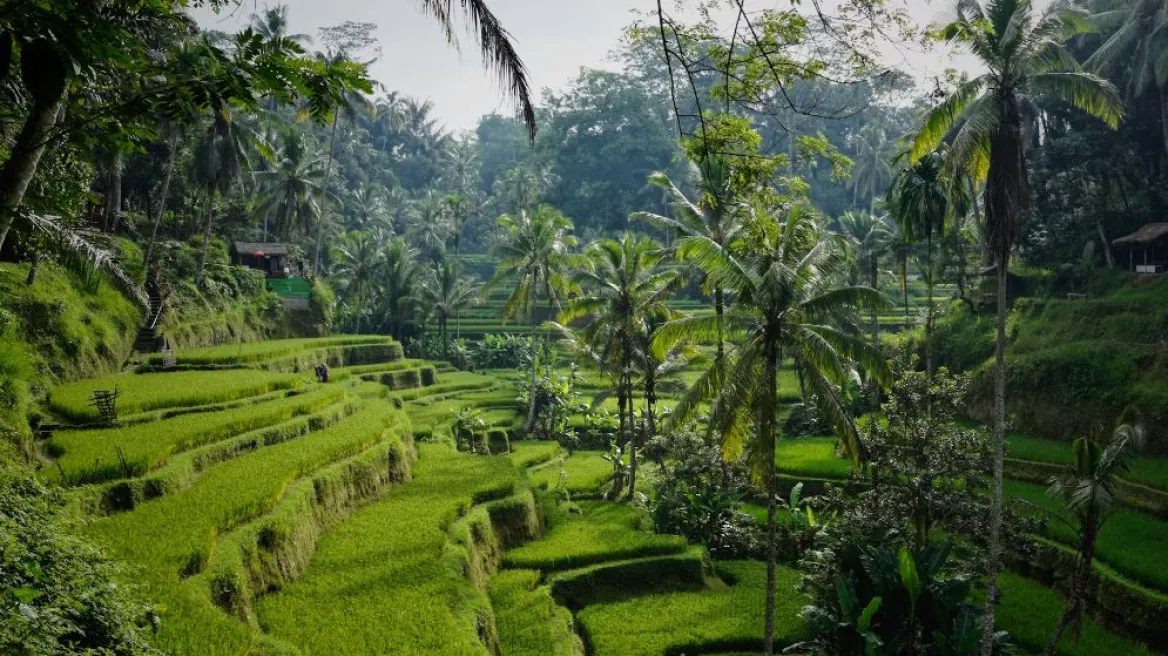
{"points": [[270, 258], [1147, 248]]}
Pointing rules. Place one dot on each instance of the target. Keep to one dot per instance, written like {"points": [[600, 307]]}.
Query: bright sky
{"points": [[555, 39]]}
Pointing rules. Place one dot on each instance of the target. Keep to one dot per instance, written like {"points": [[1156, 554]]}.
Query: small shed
{"points": [[1016, 287], [270, 258], [1147, 248]]}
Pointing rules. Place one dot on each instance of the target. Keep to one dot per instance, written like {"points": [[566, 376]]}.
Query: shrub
{"points": [[60, 595]]}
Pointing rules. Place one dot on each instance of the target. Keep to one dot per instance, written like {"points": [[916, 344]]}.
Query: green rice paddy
{"points": [[337, 519], [144, 392]]}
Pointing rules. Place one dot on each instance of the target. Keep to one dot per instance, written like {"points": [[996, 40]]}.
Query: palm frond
{"points": [[494, 42]]}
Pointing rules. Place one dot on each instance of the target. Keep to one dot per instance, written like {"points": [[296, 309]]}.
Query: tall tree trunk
{"points": [[904, 281], [1107, 253], [626, 367], [1164, 116], [873, 265], [113, 195], [22, 163], [206, 239], [767, 435], [995, 536], [929, 318], [527, 426], [328, 168], [33, 270], [719, 310], [1082, 576], [161, 203]]}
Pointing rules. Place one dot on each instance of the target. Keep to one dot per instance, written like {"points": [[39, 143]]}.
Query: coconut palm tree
{"points": [[921, 199], [1023, 53], [290, 190], [1138, 45], [1088, 490], [789, 304], [397, 283], [870, 237], [494, 43], [430, 225], [357, 260], [367, 209], [445, 293], [622, 286], [220, 162], [272, 23], [351, 103], [534, 256], [713, 216], [873, 168]]}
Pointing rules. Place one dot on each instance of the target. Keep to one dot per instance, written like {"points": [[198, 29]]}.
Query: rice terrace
{"points": [[737, 327]]}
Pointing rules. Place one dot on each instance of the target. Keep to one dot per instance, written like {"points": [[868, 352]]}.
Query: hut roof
{"points": [[248, 248], [1149, 233]]}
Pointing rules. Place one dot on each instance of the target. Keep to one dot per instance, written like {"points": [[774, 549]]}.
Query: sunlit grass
{"points": [[176, 534], [180, 389], [1029, 611], [603, 531], [103, 454], [245, 352], [387, 580], [706, 621], [529, 621], [811, 456], [580, 473], [1131, 542]]}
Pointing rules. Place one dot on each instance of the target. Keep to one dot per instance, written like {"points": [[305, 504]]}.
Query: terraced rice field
{"points": [[276, 515]]}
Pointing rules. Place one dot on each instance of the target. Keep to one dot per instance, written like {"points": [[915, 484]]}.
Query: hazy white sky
{"points": [[554, 37]]}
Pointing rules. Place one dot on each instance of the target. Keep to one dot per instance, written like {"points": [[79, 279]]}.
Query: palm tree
{"points": [[358, 258], [352, 103], [656, 367], [922, 198], [430, 225], [272, 23], [1024, 56], [788, 304], [873, 169], [290, 191], [622, 286], [534, 256], [398, 283], [1087, 489], [870, 237], [445, 293], [1139, 45], [495, 45], [220, 161], [713, 216], [367, 208]]}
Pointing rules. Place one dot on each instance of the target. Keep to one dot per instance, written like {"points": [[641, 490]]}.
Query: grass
{"points": [[716, 619], [603, 531], [583, 472], [176, 535], [88, 456], [1146, 470], [529, 453], [180, 389], [1131, 542], [811, 456], [529, 621], [1029, 611], [388, 579], [257, 351]]}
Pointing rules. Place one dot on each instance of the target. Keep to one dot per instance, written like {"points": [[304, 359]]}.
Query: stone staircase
{"points": [[148, 335]]}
